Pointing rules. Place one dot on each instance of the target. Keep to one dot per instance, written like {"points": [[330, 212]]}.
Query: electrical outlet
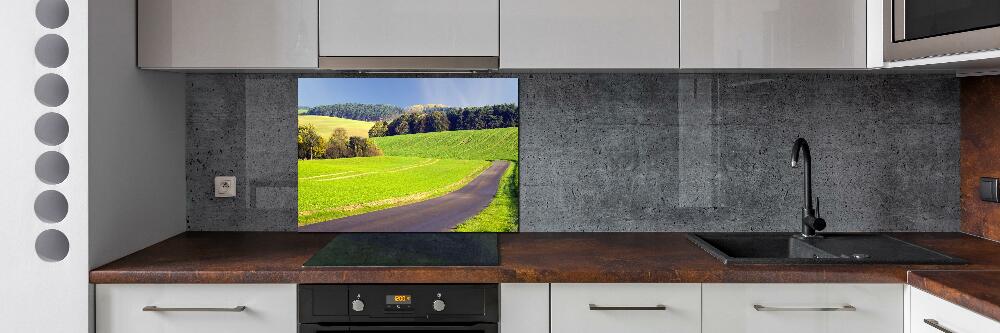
{"points": [[225, 187], [988, 189]]}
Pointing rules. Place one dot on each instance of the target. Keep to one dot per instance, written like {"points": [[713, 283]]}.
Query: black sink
{"points": [[786, 248]]}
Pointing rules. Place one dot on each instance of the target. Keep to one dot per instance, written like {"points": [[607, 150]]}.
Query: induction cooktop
{"points": [[408, 249]]}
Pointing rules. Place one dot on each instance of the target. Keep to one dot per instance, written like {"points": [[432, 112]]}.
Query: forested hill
{"points": [[357, 111], [476, 117], [449, 119]]}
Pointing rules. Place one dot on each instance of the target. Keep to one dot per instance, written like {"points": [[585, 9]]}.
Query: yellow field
{"points": [[325, 125]]}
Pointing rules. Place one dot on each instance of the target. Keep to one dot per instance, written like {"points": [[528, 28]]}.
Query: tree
{"points": [[451, 119], [473, 119], [310, 144], [400, 125], [371, 149], [357, 145], [454, 121], [336, 147], [319, 149], [362, 147], [357, 111], [339, 134], [437, 121], [418, 123], [381, 128]]}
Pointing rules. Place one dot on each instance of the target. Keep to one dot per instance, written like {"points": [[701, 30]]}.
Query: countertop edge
{"points": [[930, 282]]}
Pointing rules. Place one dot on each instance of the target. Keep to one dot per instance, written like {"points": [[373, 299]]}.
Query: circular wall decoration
{"points": [[52, 245], [52, 13], [51, 206], [51, 51], [51, 90], [52, 167], [51, 129]]}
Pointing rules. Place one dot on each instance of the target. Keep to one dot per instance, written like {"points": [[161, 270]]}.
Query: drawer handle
{"points": [[935, 324], [658, 307], [848, 307], [154, 308]]}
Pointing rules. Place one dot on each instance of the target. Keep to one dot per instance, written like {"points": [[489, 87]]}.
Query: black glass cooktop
{"points": [[408, 249]]}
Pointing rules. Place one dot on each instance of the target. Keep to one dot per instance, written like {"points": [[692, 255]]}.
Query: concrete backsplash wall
{"points": [[640, 152]]}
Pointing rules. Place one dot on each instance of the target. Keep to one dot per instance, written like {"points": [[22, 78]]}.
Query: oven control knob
{"points": [[438, 305], [358, 305]]}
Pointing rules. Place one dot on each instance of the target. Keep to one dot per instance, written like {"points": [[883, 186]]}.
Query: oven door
{"points": [[474, 328], [927, 28]]}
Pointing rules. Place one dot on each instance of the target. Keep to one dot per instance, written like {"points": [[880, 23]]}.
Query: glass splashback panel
{"points": [[408, 155]]}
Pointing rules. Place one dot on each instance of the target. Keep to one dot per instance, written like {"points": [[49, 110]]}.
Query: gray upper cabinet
{"points": [[194, 34], [512, 34], [409, 28], [774, 34], [589, 34]]}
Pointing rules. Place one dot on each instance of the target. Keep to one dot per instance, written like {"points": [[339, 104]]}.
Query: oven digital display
{"points": [[398, 299]]}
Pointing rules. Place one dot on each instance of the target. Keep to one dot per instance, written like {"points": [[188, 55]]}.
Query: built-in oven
{"points": [[928, 28], [387, 308]]}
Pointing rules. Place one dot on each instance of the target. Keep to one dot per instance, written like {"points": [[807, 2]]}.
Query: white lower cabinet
{"points": [[569, 308], [625, 307], [930, 314], [196, 308], [816, 308], [524, 307]]}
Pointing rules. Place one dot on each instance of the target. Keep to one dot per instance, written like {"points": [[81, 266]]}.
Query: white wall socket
{"points": [[225, 187]]}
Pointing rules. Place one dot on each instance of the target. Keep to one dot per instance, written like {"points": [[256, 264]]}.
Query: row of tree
{"points": [[357, 111], [449, 119], [312, 145]]}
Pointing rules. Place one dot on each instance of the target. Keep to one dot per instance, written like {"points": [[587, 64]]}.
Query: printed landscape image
{"points": [[408, 155]]}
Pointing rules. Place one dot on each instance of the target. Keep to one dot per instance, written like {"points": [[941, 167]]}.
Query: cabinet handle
{"points": [[935, 324], [660, 307], [848, 307], [154, 308]]}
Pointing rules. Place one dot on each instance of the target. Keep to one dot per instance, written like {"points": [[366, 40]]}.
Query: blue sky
{"points": [[404, 92]]}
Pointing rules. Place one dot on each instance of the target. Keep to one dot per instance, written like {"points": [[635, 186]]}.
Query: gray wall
{"points": [[136, 140], [640, 152]]}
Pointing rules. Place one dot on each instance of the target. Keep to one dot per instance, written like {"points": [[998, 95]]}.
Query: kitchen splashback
{"points": [[980, 146], [640, 152]]}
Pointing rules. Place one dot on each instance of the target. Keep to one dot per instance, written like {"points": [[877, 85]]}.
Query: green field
{"points": [[325, 125], [302, 111], [502, 214], [335, 188], [487, 144]]}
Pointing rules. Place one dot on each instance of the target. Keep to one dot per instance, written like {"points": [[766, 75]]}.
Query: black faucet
{"points": [[810, 221]]}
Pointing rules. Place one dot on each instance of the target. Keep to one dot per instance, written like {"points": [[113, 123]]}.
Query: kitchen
{"points": [[654, 154]]}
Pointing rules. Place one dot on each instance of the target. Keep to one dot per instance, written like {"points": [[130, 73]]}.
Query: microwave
{"points": [[915, 29]]}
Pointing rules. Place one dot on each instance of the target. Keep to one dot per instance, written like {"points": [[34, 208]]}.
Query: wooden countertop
{"points": [[277, 257], [978, 291]]}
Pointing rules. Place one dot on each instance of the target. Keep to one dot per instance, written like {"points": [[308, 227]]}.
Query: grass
{"points": [[502, 214], [416, 167], [335, 188], [487, 144], [302, 111], [325, 125]]}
